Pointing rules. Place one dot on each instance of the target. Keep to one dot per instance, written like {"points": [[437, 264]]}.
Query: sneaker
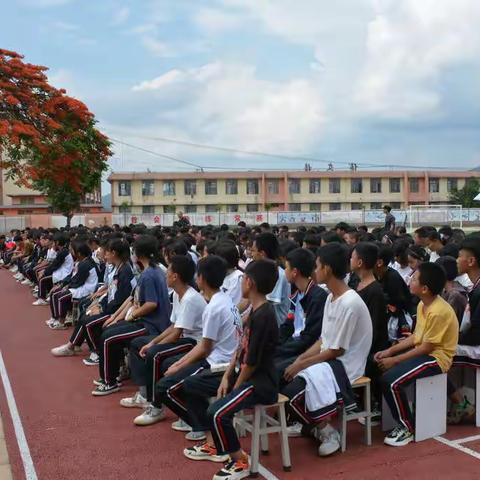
{"points": [[56, 325], [150, 416], [398, 437], [92, 361], [101, 381], [14, 269], [461, 412], [330, 440], [205, 452], [233, 470], [137, 401], [295, 430], [27, 282], [35, 294], [19, 276], [196, 436], [40, 302], [104, 389], [63, 351], [35, 288], [181, 426], [50, 321]]}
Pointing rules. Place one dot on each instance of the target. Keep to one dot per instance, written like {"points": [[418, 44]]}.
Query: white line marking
{"points": [[457, 446], [467, 439], [30, 473]]}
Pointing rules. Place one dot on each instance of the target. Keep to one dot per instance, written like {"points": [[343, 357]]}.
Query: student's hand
{"points": [[381, 354], [143, 351], [40, 274], [387, 363], [110, 321], [292, 370], [173, 369], [223, 388], [95, 310]]}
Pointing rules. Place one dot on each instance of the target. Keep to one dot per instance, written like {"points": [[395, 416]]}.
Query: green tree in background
{"points": [[465, 196]]}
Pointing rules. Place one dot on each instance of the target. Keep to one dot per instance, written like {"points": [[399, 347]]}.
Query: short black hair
{"points": [[472, 244], [268, 243], [388, 208], [385, 254], [449, 264], [332, 236], [303, 260], [213, 270], [228, 251], [418, 253], [424, 231], [60, 239], [313, 239], [433, 277], [184, 267], [146, 246], [264, 273], [368, 253], [80, 247], [334, 255], [342, 226], [286, 247], [434, 235], [450, 250], [121, 248]]}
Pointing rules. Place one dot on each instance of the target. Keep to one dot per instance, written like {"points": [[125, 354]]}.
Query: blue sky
{"points": [[375, 82]]}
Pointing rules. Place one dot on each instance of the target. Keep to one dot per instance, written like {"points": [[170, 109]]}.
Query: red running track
{"points": [[73, 435]]}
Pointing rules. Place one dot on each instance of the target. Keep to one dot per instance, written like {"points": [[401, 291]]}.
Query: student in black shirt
{"points": [[251, 377]]}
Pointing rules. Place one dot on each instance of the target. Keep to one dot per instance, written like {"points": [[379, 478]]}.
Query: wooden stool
{"points": [[260, 424], [366, 413]]}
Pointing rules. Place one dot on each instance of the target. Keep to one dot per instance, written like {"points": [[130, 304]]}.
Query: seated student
{"points": [[33, 261], [59, 269], [434, 244], [82, 283], [220, 336], [322, 376], [363, 261], [47, 256], [149, 314], [429, 351], [232, 285], [468, 262], [119, 284], [148, 353], [400, 249], [303, 326], [250, 379]]}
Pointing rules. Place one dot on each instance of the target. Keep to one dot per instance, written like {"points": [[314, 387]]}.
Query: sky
{"points": [[387, 83]]}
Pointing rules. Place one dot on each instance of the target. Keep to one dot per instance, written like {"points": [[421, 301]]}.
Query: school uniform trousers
{"points": [[112, 342], [45, 284], [147, 371], [395, 381], [89, 328], [60, 302]]}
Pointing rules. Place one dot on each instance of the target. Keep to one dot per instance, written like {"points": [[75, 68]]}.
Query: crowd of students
{"points": [[209, 321]]}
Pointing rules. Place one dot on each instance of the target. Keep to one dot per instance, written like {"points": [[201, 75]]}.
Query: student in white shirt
{"points": [[323, 375], [232, 285]]}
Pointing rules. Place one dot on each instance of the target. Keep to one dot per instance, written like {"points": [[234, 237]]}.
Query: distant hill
{"points": [[107, 201]]}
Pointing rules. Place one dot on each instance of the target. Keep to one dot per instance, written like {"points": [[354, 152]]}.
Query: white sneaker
{"points": [[137, 401], [195, 436], [50, 321], [181, 426], [35, 294], [27, 282], [92, 361], [19, 276], [40, 302], [295, 430], [35, 288], [330, 439], [56, 325], [150, 416], [63, 351], [14, 269]]}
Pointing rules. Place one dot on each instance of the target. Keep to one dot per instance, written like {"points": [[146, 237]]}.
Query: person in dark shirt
{"points": [[389, 219], [251, 377]]}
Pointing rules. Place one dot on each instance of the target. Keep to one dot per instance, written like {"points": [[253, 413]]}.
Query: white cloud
{"points": [[159, 82], [213, 21], [121, 16], [156, 47]]}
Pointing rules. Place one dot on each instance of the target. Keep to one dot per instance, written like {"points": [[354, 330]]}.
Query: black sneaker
{"points": [[105, 389]]}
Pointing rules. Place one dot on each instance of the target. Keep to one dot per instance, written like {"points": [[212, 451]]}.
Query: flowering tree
{"points": [[50, 139]]}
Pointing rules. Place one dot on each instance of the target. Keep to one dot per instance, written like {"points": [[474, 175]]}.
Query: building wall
{"points": [[281, 199]]}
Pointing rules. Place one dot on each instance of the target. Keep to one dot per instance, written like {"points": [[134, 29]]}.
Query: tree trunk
{"points": [[69, 219]]}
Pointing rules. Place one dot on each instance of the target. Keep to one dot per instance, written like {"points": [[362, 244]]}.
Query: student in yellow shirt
{"points": [[427, 352]]}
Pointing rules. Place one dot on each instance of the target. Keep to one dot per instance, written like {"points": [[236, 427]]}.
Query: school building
{"points": [[300, 191]]}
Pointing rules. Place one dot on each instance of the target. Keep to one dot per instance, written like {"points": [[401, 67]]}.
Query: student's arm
{"points": [[314, 320], [120, 313], [422, 349], [246, 373], [472, 335], [57, 263], [170, 335], [199, 352], [406, 344], [124, 289], [145, 309], [225, 383]]}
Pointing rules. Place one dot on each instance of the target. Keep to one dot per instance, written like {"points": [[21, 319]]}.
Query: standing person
{"points": [[250, 379], [150, 314], [389, 219], [428, 352]]}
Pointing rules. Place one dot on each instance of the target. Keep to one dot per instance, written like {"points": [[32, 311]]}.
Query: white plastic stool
{"points": [[429, 398], [260, 424]]}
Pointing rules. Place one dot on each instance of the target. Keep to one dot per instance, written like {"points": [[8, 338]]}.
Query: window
{"points": [[414, 185], [252, 187], [294, 185], [190, 209], [314, 185], [335, 206], [124, 188], [273, 186], [27, 200], [315, 207], [169, 208], [190, 187], [168, 188], [148, 209], [394, 185], [231, 187], [334, 185], [376, 206], [357, 206], [356, 185], [148, 187], [252, 207], [125, 209], [211, 208], [375, 185], [452, 184], [232, 208], [434, 185], [396, 205], [294, 207], [210, 187]]}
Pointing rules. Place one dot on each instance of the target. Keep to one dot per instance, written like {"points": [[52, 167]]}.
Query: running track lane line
{"points": [[457, 446], [30, 473]]}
